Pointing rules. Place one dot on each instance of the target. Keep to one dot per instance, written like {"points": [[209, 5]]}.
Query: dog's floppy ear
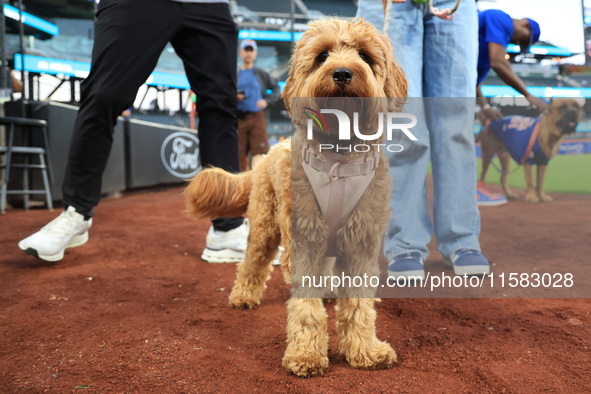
{"points": [[288, 92], [290, 89], [395, 84]]}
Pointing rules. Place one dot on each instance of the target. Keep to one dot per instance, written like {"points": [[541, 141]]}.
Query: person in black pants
{"points": [[130, 36]]}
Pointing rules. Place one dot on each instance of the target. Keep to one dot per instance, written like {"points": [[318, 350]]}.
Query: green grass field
{"points": [[565, 174]]}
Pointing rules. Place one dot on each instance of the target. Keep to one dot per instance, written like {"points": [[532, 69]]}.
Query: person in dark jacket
{"points": [[254, 85]]}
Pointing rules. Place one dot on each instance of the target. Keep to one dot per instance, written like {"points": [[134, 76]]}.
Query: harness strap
{"points": [[486, 124], [338, 169], [531, 143], [338, 186]]}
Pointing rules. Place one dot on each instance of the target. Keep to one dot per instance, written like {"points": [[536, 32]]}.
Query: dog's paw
{"points": [[531, 198], [545, 198], [376, 355], [240, 301], [512, 196], [305, 366]]}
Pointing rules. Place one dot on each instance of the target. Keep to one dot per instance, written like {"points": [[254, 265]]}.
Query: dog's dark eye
{"points": [[562, 107], [365, 58], [322, 57]]}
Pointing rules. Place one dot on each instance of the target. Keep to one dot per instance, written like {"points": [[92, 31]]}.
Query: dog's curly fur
{"points": [[278, 180]]}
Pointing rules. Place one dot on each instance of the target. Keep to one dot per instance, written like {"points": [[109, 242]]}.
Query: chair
{"points": [[26, 126]]}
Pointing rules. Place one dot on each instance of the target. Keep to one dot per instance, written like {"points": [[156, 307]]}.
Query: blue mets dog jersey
{"points": [[515, 133]]}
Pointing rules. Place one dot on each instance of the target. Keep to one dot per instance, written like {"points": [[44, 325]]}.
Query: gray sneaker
{"points": [[68, 230]]}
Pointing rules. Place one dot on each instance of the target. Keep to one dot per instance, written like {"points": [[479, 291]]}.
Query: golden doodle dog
{"points": [[529, 141], [333, 59]]}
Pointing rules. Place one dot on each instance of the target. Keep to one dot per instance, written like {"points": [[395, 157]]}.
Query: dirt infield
{"points": [[137, 310]]}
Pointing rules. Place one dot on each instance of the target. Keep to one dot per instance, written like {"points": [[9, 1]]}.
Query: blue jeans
{"points": [[439, 58]]}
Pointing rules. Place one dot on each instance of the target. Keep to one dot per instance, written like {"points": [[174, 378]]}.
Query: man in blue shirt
{"points": [[496, 29]]}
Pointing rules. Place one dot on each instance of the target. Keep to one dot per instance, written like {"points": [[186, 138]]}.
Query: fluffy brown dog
{"points": [[559, 120], [334, 58]]}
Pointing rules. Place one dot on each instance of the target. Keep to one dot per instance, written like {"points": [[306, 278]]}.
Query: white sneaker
{"points": [[277, 259], [68, 230], [226, 246]]}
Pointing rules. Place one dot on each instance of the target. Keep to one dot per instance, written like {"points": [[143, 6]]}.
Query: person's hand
{"points": [[262, 104], [491, 112], [241, 96], [442, 14], [538, 102]]}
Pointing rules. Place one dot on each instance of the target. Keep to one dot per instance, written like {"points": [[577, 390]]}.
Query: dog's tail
{"points": [[215, 193]]}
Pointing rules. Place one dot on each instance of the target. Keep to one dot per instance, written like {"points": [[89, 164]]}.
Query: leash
{"points": [[485, 132], [387, 14], [530, 145]]}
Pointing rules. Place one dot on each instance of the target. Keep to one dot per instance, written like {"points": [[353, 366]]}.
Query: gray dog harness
{"points": [[338, 185]]}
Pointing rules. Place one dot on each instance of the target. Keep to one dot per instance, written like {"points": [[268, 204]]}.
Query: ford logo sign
{"points": [[180, 154]]}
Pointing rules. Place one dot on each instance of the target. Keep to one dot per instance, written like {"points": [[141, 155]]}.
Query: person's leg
{"points": [[259, 142], [244, 163], [207, 44], [451, 51], [410, 228], [128, 41], [243, 131], [129, 38]]}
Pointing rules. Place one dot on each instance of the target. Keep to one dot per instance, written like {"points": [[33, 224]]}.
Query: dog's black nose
{"points": [[572, 111], [342, 75]]}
